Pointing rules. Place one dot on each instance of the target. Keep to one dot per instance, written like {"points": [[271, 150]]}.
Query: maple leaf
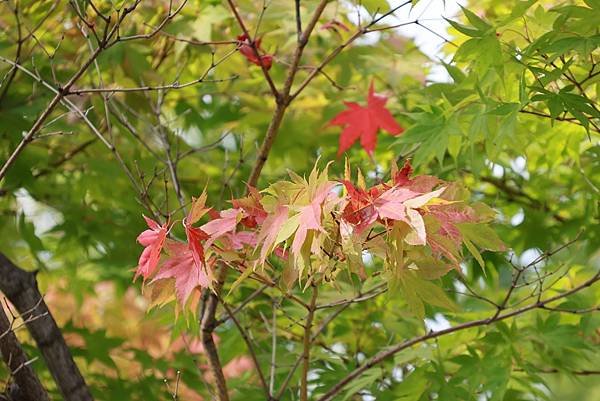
{"points": [[388, 203], [449, 215], [317, 193], [153, 240], [402, 176], [270, 230], [359, 210], [255, 213], [364, 121], [225, 223], [196, 235], [402, 204], [237, 240], [245, 48], [183, 268], [309, 219]]}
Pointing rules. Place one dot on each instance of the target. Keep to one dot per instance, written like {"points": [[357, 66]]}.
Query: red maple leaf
{"points": [[364, 121], [255, 213], [245, 48], [195, 235], [402, 177]]}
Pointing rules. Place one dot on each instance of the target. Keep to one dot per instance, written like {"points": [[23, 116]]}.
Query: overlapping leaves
{"points": [[317, 228]]}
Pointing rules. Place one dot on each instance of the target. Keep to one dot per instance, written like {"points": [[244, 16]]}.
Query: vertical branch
{"points": [[282, 100], [307, 340], [268, 141], [28, 385], [273, 349], [207, 326], [298, 20]]}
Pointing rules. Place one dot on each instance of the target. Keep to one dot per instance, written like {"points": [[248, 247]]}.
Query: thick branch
{"points": [[20, 287], [284, 99], [29, 386], [207, 326]]}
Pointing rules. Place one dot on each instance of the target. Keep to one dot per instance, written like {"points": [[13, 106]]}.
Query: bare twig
{"points": [[246, 339], [383, 355], [252, 44]]}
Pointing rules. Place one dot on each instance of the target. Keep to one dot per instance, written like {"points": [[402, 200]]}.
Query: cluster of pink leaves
{"points": [[308, 223]]}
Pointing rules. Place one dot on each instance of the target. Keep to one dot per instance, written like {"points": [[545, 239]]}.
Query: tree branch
{"points": [[252, 44], [307, 341], [46, 113], [383, 355], [20, 287], [246, 338], [207, 326], [28, 384]]}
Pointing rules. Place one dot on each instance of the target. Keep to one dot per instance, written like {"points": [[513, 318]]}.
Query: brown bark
{"points": [[20, 287], [207, 327], [26, 386]]}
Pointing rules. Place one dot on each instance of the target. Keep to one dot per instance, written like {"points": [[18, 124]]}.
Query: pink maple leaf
{"points": [[237, 240], [153, 240], [310, 216], [225, 223], [270, 230], [182, 267], [448, 216]]}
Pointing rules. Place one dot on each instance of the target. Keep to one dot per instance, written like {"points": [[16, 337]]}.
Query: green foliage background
{"points": [[518, 124]]}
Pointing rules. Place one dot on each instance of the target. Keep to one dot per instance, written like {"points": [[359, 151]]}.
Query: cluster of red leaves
{"points": [[321, 226], [253, 54]]}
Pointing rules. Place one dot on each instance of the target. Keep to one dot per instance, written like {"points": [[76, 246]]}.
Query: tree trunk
{"points": [[20, 287]]}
